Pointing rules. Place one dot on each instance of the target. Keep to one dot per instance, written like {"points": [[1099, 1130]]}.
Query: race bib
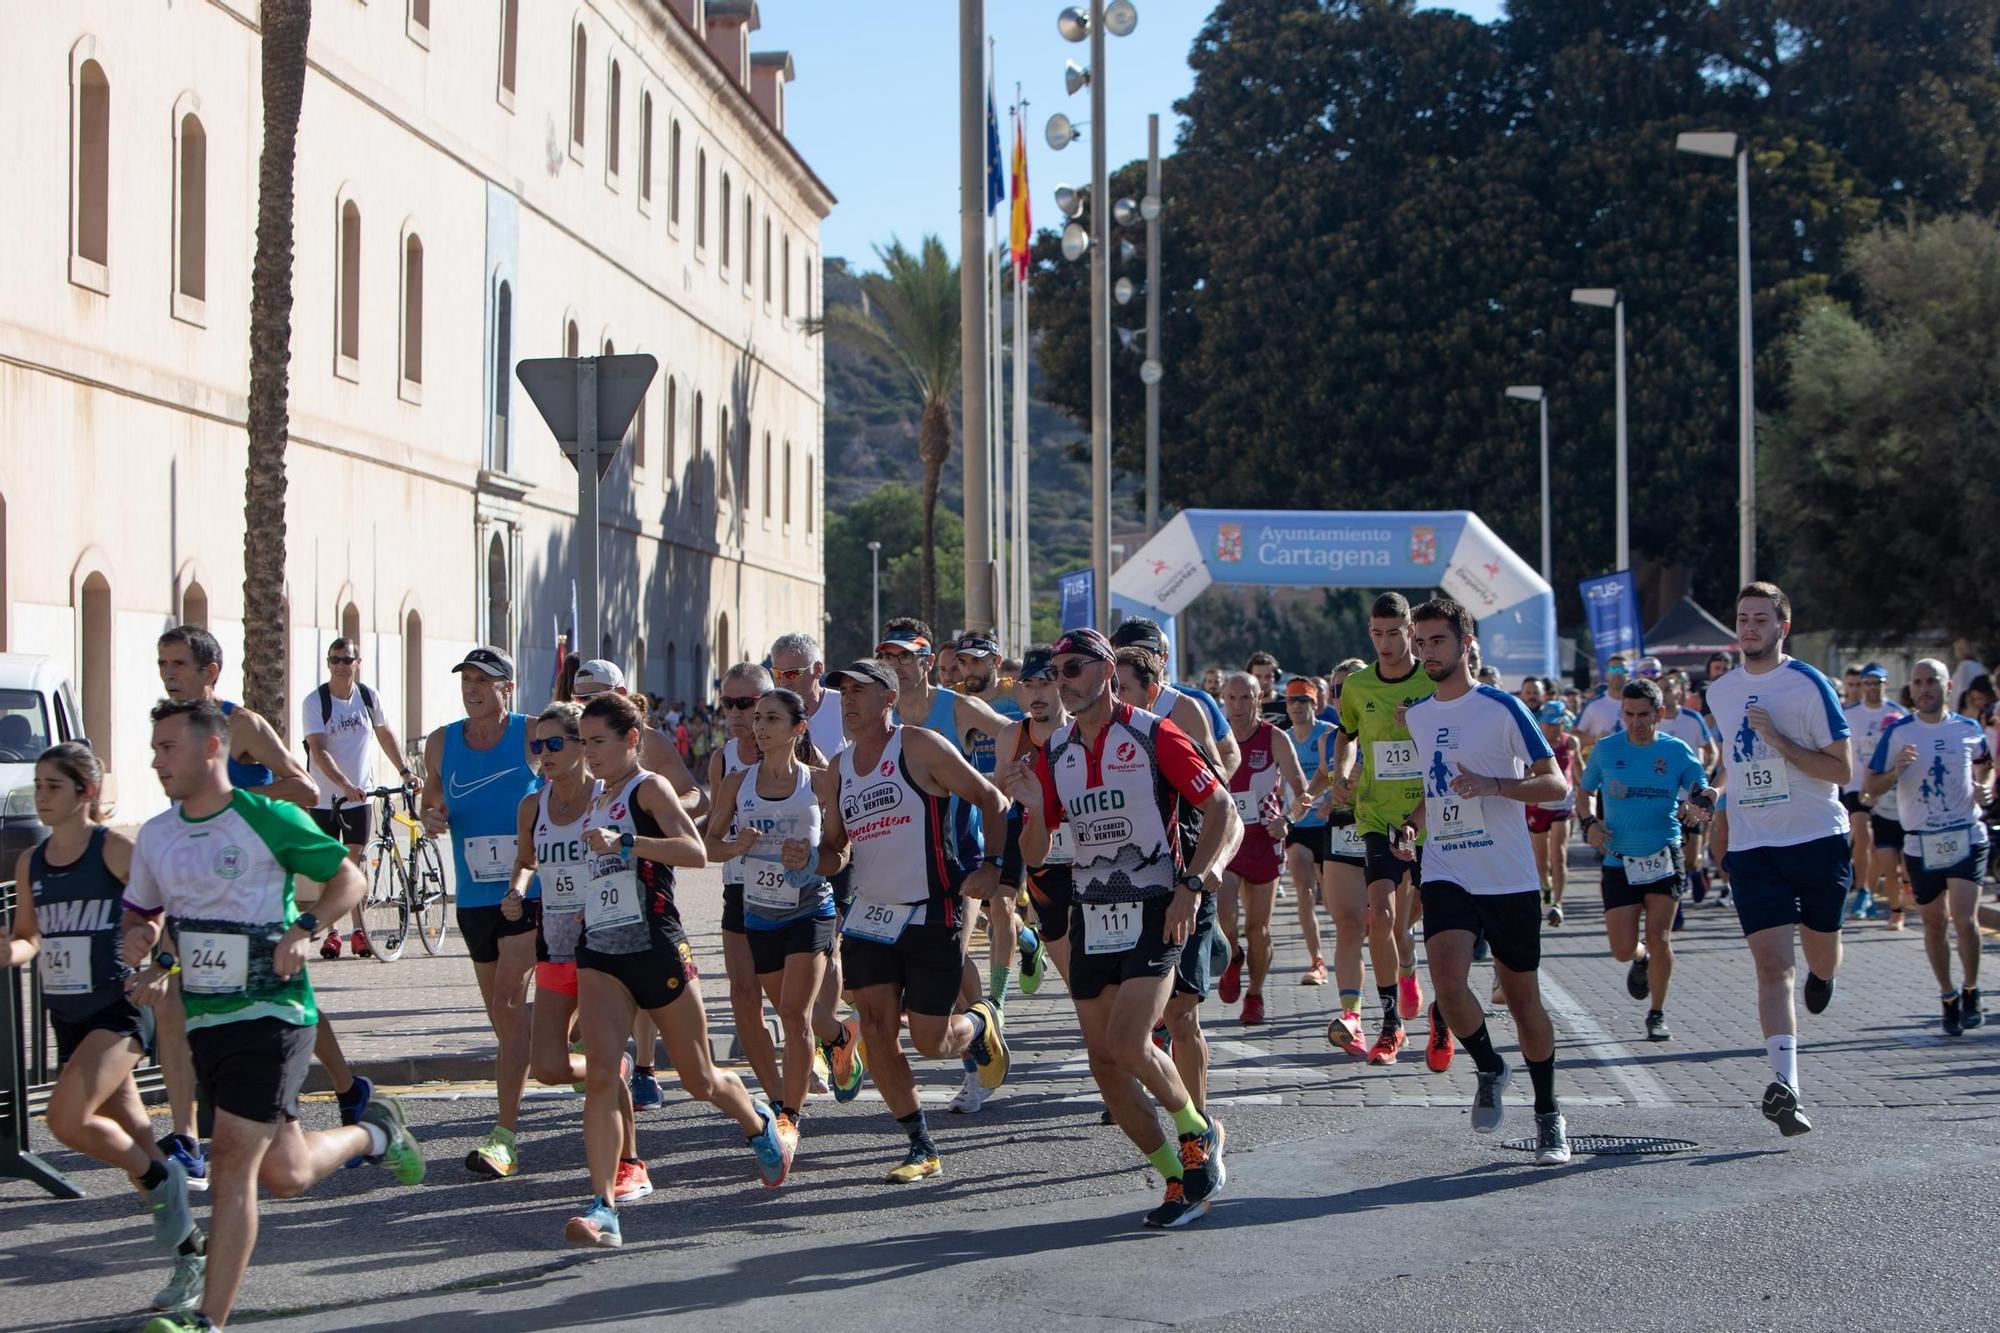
{"points": [[1456, 818], [214, 964], [1946, 848], [613, 896], [1246, 806], [490, 859], [1395, 761], [768, 887], [65, 964], [562, 890], [1347, 841], [1649, 869], [883, 923], [1759, 782], [1111, 927], [1060, 852]]}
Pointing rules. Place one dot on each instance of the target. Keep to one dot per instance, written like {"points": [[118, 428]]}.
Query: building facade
{"points": [[478, 182]]}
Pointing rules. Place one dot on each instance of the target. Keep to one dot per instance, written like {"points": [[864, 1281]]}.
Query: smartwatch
{"points": [[308, 923], [626, 839], [1193, 884]]}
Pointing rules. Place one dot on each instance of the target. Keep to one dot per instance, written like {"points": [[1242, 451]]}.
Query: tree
{"points": [[1882, 476], [893, 515], [285, 25], [910, 313]]}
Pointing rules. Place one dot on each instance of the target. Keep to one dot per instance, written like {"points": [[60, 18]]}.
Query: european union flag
{"points": [[996, 183]]}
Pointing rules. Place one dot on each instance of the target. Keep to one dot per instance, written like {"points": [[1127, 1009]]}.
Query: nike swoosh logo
{"points": [[457, 792]]}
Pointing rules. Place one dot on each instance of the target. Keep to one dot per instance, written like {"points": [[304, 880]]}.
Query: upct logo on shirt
{"points": [[229, 862]]}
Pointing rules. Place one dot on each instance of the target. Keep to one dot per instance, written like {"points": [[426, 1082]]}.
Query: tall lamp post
{"points": [[1608, 298], [1532, 393], [875, 563], [1733, 145]]}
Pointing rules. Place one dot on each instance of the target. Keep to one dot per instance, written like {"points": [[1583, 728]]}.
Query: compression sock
{"points": [[1350, 1001], [351, 1097], [1542, 1073], [919, 1132], [1479, 1046], [1390, 1018], [1188, 1120], [1784, 1052], [1166, 1160], [155, 1173], [996, 987]]}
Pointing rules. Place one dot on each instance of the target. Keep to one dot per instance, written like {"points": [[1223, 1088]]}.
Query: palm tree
{"points": [[285, 27], [909, 313]]}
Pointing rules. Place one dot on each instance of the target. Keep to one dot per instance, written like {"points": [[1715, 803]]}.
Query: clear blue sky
{"points": [[875, 106]]}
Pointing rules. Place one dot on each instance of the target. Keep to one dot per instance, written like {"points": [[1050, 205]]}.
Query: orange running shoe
{"points": [[1315, 975], [631, 1182], [1253, 1008], [1347, 1033], [1409, 996], [1438, 1046], [1386, 1046]]}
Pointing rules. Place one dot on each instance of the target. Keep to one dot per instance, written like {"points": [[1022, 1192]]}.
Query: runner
{"points": [[66, 917], [1638, 777], [1599, 717], [220, 866], [634, 955], [1306, 841], [1939, 765], [1481, 755], [888, 796], [742, 686], [480, 773], [1264, 670], [1269, 763], [1125, 779], [549, 848], [1548, 825], [1879, 861], [1687, 726], [788, 911], [1197, 713], [1785, 753], [1050, 883]]}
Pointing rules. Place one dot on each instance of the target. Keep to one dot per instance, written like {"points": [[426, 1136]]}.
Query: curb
{"points": [[1989, 916]]}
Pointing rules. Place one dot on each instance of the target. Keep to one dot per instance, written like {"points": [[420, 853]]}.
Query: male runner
{"points": [[1785, 754], [1877, 863], [888, 796], [1049, 884], [1264, 669], [1482, 757], [1195, 712], [1937, 761], [1638, 776], [1599, 717], [480, 771], [1687, 726], [1251, 878], [220, 866], [1306, 842], [1122, 780]]}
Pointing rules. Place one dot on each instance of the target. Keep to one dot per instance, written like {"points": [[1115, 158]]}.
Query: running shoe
{"points": [[971, 1096], [1315, 975], [1387, 1046], [788, 1131], [596, 1226], [402, 1156], [1954, 1026], [1819, 993], [352, 1103], [177, 1323], [1680, 916], [1202, 1171], [1409, 997], [329, 948], [1723, 894], [920, 1162], [183, 1290], [1176, 1209], [1895, 921], [173, 1215], [1656, 1026], [1347, 1033], [1968, 1002], [633, 1181], [1489, 1107], [1555, 917], [358, 945], [1230, 985], [1034, 960], [1637, 984], [849, 1063], [186, 1151], [774, 1155], [1163, 1038], [1438, 1046], [1551, 1139], [989, 1051], [645, 1090], [1781, 1108], [1253, 1009], [1862, 904], [1481, 950], [495, 1156]]}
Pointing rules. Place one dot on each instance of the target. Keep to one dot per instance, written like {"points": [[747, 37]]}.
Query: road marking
{"points": [[1639, 1082]]}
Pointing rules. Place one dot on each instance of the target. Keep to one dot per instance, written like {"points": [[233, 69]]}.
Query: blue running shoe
{"points": [[774, 1151], [596, 1226], [167, 1201], [645, 1090], [352, 1104], [186, 1151]]}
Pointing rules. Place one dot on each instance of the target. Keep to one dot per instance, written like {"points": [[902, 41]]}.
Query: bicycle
{"points": [[402, 887]]}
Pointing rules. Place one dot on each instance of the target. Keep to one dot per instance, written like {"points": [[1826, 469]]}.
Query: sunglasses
{"points": [[554, 745], [342, 661], [739, 705], [1073, 668], [794, 673]]}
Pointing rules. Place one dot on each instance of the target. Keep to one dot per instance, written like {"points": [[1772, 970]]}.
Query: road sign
{"points": [[622, 380]]}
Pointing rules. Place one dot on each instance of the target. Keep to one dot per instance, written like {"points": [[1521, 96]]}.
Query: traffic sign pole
{"points": [[588, 633]]}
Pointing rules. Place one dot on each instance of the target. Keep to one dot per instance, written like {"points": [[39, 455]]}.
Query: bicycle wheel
{"points": [[385, 912], [427, 896]]}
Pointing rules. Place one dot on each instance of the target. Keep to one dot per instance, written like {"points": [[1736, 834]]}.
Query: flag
{"points": [[555, 678], [996, 184], [1017, 234]]}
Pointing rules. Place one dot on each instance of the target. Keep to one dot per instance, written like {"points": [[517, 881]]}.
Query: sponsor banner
{"points": [[1079, 599], [1611, 604], [1168, 572]]}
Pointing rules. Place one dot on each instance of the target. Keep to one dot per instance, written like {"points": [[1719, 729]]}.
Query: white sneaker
{"points": [[971, 1097]]}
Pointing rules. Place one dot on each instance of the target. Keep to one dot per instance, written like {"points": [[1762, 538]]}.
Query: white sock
{"points": [[1784, 1052], [378, 1142]]}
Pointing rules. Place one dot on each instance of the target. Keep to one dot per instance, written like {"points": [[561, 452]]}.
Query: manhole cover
{"points": [[1615, 1145]]}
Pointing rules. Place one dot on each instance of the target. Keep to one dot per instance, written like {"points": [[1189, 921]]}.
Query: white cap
{"points": [[597, 671]]}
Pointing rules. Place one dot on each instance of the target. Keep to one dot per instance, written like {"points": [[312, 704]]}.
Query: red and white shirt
{"points": [[1126, 797]]}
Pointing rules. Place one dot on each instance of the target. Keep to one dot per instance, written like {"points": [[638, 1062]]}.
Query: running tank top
{"points": [[1254, 786], [241, 774], [562, 868], [483, 791], [902, 843], [77, 909], [1060, 853], [965, 821], [732, 762], [629, 901], [1310, 751], [772, 895]]}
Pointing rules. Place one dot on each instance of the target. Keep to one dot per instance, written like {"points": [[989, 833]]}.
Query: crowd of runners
{"points": [[1131, 834]]}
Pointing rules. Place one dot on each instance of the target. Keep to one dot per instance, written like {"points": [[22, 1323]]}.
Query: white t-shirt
{"points": [[1865, 726], [1772, 804], [828, 732], [350, 737], [1687, 727], [1935, 794], [1601, 716], [1480, 844], [1962, 677]]}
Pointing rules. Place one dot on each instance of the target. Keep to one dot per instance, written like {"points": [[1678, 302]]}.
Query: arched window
{"points": [[645, 149], [571, 347], [419, 24], [190, 218], [638, 664], [749, 247], [725, 220], [724, 455], [498, 601], [767, 261], [510, 46], [413, 317], [350, 627], [786, 282], [499, 444], [673, 427], [674, 174], [614, 115], [194, 605], [812, 496], [673, 673], [788, 486], [767, 476], [722, 662], [90, 158], [413, 677], [700, 199], [579, 90], [695, 451], [97, 663], [806, 288], [347, 345]]}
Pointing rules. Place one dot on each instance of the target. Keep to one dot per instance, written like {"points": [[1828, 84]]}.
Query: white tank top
{"points": [[732, 871], [770, 892], [895, 828], [560, 865]]}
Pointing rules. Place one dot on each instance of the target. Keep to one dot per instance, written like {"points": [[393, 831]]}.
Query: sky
{"points": [[874, 109]]}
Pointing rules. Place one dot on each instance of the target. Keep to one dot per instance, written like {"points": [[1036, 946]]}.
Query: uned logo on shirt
{"points": [[229, 862]]}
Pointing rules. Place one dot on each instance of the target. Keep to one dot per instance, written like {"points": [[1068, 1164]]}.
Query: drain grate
{"points": [[1614, 1145]]}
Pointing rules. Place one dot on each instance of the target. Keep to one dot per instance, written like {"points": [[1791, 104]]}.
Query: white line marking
{"points": [[1639, 1082]]}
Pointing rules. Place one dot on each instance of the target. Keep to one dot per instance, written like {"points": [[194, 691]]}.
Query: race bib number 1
{"points": [[1396, 761], [65, 961], [490, 859], [1111, 927], [214, 964]]}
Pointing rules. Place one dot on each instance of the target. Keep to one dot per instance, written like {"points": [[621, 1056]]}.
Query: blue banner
{"points": [[1079, 598], [1611, 603]]}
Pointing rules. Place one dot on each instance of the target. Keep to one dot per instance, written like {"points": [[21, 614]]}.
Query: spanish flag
{"points": [[1017, 235]]}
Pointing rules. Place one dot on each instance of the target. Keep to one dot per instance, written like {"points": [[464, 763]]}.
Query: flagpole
{"points": [[1023, 588]]}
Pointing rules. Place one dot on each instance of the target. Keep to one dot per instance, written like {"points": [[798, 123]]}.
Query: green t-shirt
{"points": [[1368, 705], [225, 883]]}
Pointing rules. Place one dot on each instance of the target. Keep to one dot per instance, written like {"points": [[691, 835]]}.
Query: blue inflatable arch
{"points": [[1451, 550]]}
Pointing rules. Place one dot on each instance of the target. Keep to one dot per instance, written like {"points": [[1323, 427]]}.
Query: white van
{"points": [[37, 709]]}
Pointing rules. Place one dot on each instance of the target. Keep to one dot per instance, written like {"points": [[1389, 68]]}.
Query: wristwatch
{"points": [[1193, 884], [626, 839], [307, 922]]}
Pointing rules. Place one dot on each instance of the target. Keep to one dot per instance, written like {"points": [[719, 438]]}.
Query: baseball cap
{"points": [[977, 645], [597, 671], [1140, 634], [488, 662], [1300, 687], [1037, 664], [1875, 671], [1555, 712], [1649, 667], [865, 671], [908, 641], [1084, 641]]}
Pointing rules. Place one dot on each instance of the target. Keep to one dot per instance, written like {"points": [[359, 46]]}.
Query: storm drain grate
{"points": [[1614, 1145]]}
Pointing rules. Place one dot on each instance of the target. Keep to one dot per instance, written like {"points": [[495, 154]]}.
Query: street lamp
{"points": [[1608, 298], [1732, 145], [1532, 393], [875, 560]]}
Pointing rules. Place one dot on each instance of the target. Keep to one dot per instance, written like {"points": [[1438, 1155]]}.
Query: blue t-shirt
{"points": [[1214, 709], [1641, 788], [242, 775], [1311, 749], [483, 790]]}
